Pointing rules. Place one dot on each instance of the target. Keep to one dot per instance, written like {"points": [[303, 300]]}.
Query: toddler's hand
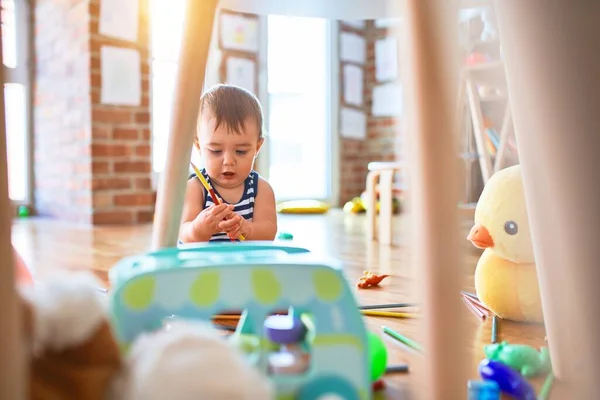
{"points": [[207, 222], [233, 226]]}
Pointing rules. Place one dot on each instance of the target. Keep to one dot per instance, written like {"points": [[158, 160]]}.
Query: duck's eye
{"points": [[511, 227]]}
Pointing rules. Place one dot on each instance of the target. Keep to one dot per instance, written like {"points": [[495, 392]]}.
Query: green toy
{"points": [[285, 236], [522, 358], [23, 211], [378, 356]]}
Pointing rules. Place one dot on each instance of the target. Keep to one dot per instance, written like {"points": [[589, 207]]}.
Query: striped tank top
{"points": [[244, 207]]}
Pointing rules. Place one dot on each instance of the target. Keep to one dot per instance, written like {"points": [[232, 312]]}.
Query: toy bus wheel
{"points": [[328, 388]]}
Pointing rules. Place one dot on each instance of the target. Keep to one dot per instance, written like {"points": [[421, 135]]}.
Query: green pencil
{"points": [[494, 329], [403, 339], [545, 391]]}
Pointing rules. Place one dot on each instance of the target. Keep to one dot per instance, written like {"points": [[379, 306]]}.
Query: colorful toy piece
{"points": [[522, 358], [197, 281], [370, 279], [483, 390], [509, 380], [378, 356]]}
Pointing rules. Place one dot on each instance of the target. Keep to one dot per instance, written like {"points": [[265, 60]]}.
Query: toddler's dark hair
{"points": [[232, 105]]}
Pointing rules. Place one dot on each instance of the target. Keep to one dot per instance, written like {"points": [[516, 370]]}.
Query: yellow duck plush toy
{"points": [[505, 277]]}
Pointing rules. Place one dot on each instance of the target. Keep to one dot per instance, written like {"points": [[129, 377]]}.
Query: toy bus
{"points": [[201, 280]]}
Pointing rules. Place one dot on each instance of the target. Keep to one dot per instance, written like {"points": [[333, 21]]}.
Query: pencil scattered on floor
{"points": [[393, 369], [390, 314], [403, 339], [475, 306], [390, 305], [494, 329], [547, 387]]}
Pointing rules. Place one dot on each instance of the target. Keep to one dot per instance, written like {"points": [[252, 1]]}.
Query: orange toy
{"points": [[22, 273], [369, 279]]}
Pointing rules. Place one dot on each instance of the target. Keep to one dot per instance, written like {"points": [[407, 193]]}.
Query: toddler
{"points": [[229, 138]]}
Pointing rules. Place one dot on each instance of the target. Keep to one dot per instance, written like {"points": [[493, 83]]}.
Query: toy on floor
{"points": [[509, 380], [483, 390], [359, 204], [369, 279], [302, 207], [505, 277], [528, 361], [285, 236], [74, 354], [200, 280], [22, 274]]}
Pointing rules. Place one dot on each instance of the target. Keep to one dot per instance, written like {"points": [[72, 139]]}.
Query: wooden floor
{"points": [[47, 245]]}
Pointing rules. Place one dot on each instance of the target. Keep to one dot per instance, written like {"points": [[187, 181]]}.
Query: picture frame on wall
{"points": [[238, 32]]}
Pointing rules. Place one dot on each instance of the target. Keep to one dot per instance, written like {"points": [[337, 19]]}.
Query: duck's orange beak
{"points": [[480, 237]]}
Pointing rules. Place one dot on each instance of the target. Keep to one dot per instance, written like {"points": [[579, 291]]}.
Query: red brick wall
{"points": [[353, 152], [384, 133], [62, 129], [93, 161], [382, 142]]}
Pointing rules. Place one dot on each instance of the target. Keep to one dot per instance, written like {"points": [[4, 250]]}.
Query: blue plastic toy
{"points": [[200, 280], [483, 390], [509, 380]]}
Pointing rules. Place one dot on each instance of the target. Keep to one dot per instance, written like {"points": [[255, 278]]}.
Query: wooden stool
{"points": [[381, 174]]}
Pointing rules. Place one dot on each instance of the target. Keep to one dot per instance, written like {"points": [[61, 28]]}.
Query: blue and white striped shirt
{"points": [[244, 207]]}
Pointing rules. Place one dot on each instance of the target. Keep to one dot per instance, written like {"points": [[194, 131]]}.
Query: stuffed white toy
{"points": [[74, 354]]}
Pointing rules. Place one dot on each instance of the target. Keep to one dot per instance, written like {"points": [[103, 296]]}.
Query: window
{"points": [[15, 47], [299, 123], [166, 28]]}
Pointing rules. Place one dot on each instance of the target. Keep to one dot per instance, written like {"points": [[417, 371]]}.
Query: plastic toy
{"points": [[378, 356], [302, 207], [22, 273], [288, 332], [505, 277], [23, 211], [197, 281], [509, 380], [285, 236], [525, 359], [483, 390], [370, 279]]}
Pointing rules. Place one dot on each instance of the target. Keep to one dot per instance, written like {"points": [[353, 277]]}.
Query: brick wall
{"points": [[353, 152], [62, 112], [382, 142], [92, 161]]}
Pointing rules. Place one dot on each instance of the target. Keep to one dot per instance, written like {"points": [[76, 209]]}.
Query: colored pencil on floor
{"points": [[391, 314], [546, 387], [400, 368], [476, 307], [477, 304], [476, 311], [472, 295], [494, 329], [391, 305], [403, 339]]}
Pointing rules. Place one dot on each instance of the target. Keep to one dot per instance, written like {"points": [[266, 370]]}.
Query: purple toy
{"points": [[284, 329], [509, 380]]}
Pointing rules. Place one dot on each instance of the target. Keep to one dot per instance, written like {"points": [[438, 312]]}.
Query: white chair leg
{"points": [[385, 207], [371, 204]]}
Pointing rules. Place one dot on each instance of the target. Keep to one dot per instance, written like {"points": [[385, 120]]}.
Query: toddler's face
{"points": [[228, 156]]}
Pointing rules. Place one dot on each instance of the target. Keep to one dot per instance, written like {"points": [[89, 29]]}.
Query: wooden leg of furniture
{"points": [[371, 203], [552, 60], [195, 45], [385, 207]]}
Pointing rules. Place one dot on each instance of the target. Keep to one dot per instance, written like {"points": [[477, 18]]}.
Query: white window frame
{"points": [[22, 74], [332, 100]]}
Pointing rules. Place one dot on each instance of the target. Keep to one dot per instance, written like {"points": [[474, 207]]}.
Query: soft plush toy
{"points": [[74, 355], [505, 277]]}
